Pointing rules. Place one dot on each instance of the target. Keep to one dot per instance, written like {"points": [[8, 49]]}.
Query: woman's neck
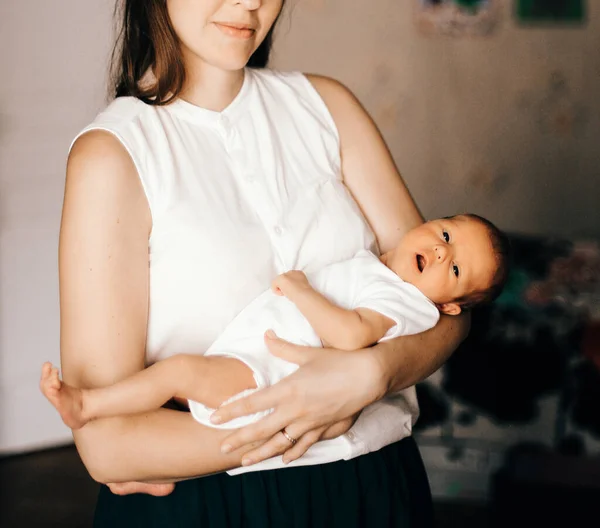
{"points": [[212, 88]]}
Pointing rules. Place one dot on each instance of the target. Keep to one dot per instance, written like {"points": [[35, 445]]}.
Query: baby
{"points": [[444, 265]]}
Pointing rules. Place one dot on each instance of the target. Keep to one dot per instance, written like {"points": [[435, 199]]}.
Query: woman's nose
{"points": [[251, 5]]}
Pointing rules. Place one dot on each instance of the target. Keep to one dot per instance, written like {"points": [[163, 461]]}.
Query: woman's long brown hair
{"points": [[146, 42]]}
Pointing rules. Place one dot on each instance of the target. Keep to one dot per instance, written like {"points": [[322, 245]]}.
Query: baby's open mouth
{"points": [[420, 262]]}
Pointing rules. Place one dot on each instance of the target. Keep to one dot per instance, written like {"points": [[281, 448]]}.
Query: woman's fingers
{"points": [[304, 436], [280, 443], [275, 446], [128, 488], [266, 428], [297, 354], [301, 446], [312, 437], [255, 402], [339, 428]]}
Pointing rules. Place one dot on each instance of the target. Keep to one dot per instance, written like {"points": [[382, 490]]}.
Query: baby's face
{"points": [[445, 259]]}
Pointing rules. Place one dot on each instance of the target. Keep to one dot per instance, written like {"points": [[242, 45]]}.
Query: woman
{"points": [[196, 186]]}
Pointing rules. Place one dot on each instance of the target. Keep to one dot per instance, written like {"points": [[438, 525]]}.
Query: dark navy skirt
{"points": [[388, 488]]}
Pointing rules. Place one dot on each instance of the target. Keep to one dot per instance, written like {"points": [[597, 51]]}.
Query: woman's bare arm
{"points": [[368, 168], [407, 360], [375, 183], [103, 262]]}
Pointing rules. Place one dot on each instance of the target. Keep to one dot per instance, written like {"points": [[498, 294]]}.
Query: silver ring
{"points": [[288, 437]]}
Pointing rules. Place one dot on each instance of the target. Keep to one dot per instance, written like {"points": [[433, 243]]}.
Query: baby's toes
{"points": [[53, 380], [46, 370], [45, 377]]}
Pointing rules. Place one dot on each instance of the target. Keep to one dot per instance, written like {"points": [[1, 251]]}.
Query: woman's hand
{"points": [[128, 488], [320, 400]]}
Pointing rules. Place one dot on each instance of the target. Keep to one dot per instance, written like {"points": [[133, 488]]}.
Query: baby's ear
{"points": [[449, 308]]}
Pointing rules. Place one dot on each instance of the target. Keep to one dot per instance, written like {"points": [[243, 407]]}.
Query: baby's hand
{"points": [[289, 283]]}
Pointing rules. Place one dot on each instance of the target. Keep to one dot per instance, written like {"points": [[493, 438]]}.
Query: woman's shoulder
{"points": [[325, 95], [113, 128], [120, 112], [324, 85], [327, 85], [338, 98], [105, 144], [340, 103]]}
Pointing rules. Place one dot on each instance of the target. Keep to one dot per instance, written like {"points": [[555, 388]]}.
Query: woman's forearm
{"points": [[160, 446], [407, 360]]}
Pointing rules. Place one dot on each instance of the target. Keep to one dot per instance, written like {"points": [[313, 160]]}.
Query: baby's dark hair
{"points": [[501, 247]]}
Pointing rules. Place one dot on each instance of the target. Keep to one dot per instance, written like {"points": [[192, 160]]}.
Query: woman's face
{"points": [[222, 33]]}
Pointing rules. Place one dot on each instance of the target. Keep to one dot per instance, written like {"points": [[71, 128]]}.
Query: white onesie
{"points": [[363, 281]]}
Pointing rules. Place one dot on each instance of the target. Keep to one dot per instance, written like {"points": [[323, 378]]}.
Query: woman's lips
{"points": [[238, 32]]}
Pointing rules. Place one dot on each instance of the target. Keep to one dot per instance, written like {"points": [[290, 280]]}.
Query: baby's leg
{"points": [[67, 400], [179, 376]]}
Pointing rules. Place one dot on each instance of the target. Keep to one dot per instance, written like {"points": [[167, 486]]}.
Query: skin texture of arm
{"points": [[375, 183], [103, 266]]}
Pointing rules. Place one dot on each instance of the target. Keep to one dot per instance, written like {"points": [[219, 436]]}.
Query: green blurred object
{"points": [[517, 283], [554, 11], [471, 5]]}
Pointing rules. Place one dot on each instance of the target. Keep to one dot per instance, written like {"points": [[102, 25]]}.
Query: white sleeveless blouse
{"points": [[236, 198]]}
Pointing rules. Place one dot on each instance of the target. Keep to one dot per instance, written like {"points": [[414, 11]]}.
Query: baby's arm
{"points": [[337, 327], [209, 380]]}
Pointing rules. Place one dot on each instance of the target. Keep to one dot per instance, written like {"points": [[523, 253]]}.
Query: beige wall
{"points": [[475, 123], [52, 62], [461, 118]]}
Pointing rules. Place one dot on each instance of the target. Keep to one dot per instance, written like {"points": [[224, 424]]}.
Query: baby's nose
{"points": [[441, 252]]}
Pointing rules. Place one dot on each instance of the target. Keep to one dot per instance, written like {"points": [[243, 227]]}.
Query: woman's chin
{"points": [[231, 58], [235, 62], [221, 59]]}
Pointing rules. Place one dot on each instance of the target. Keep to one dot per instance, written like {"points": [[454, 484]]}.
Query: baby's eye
{"points": [[446, 236], [455, 270]]}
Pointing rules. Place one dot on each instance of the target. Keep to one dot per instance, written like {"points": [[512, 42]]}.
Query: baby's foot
{"points": [[67, 400]]}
